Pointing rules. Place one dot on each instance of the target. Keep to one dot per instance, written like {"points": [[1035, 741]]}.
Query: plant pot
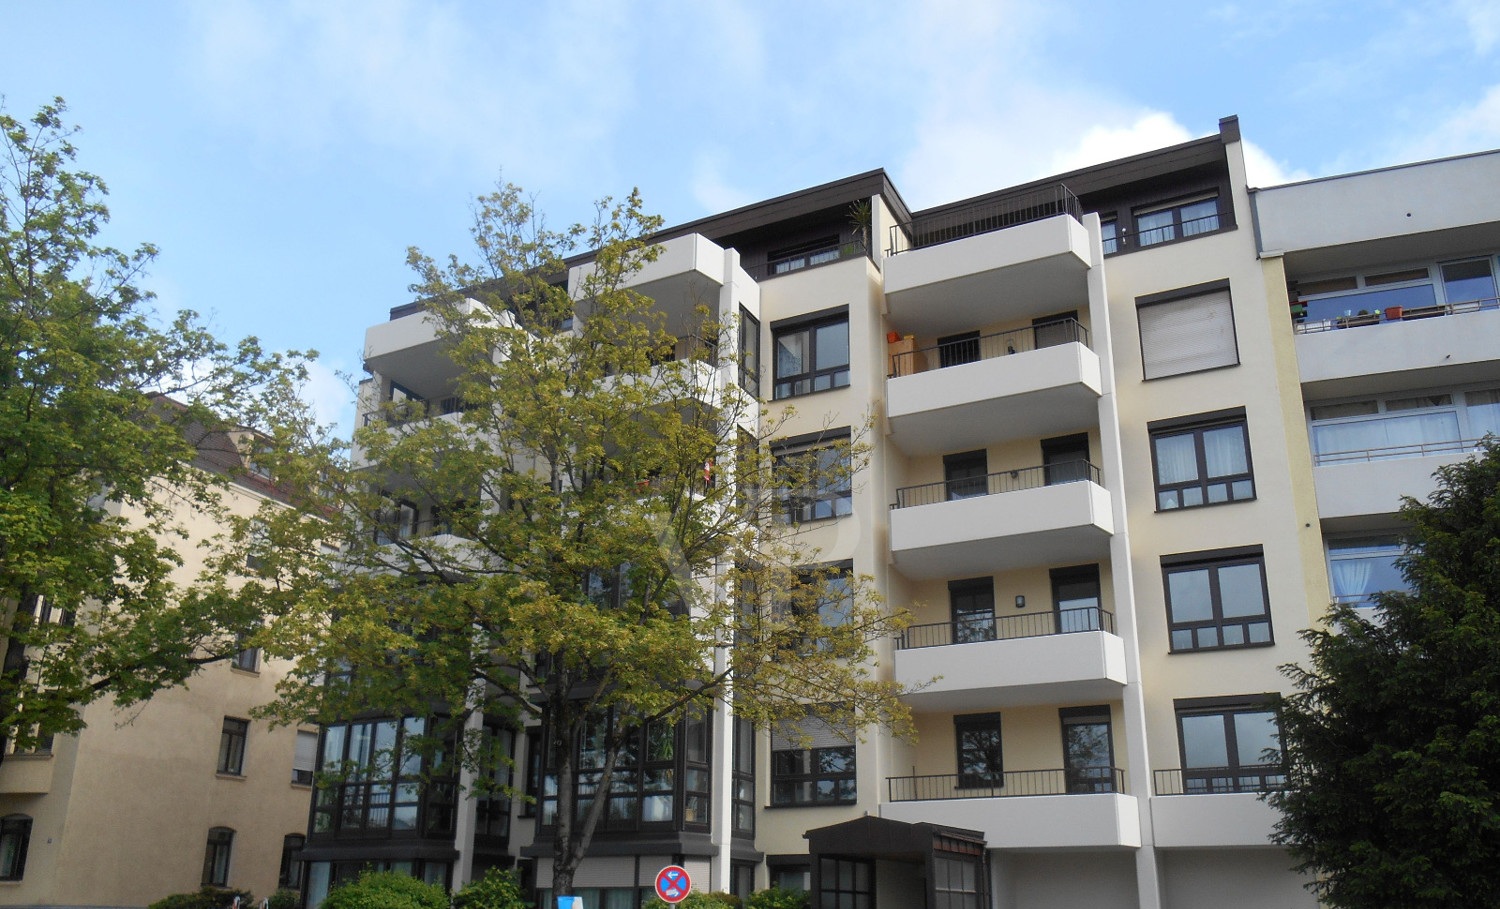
{"points": [[1393, 313]]}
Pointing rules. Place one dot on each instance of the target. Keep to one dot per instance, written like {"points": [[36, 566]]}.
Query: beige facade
{"points": [[121, 814]]}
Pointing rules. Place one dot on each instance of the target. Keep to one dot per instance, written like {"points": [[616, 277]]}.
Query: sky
{"points": [[283, 155]]}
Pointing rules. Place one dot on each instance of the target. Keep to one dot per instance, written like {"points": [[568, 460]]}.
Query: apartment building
{"points": [[1123, 439], [184, 790]]}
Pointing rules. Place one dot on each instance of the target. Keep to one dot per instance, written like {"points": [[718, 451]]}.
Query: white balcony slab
{"points": [[1205, 821], [1032, 394], [1106, 820], [409, 351], [984, 675], [1351, 490], [687, 274], [26, 774], [1393, 356], [1068, 523], [1031, 269]]}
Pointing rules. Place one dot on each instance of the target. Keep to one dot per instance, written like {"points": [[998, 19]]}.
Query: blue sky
{"points": [[284, 155]]}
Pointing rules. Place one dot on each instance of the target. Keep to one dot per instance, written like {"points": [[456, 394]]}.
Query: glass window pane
{"points": [[791, 354], [832, 345], [1255, 737], [1203, 743], [1177, 459], [1188, 592], [1224, 451], [1466, 281], [1241, 591]]}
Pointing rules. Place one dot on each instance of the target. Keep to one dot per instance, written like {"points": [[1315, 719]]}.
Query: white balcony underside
{"points": [[1351, 491], [687, 274], [984, 675], [1198, 821], [1036, 394], [1029, 270], [1106, 820], [1069, 523]]}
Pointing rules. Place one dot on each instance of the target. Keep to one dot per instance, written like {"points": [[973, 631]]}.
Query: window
{"points": [[972, 606], [383, 779], [1360, 567], [1202, 464], [657, 762], [492, 804], [247, 659], [305, 758], [813, 252], [977, 740], [1109, 232], [846, 883], [15, 835], [1229, 745], [1075, 597], [290, 877], [1404, 426], [216, 857], [814, 479], [1088, 749], [1187, 334], [749, 353], [1180, 219], [1415, 288], [744, 777], [811, 356], [966, 475], [1065, 459], [1216, 601], [1467, 281], [812, 763], [232, 746], [398, 522], [956, 350]]}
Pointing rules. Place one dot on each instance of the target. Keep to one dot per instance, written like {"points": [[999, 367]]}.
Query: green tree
{"points": [[1392, 739], [97, 469], [605, 559]]}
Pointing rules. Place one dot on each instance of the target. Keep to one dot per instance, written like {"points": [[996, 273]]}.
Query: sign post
{"points": [[673, 884]]}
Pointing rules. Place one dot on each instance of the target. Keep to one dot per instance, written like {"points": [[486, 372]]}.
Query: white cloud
{"points": [[711, 190], [1263, 170], [1469, 128], [328, 393], [1141, 132], [1483, 20]]}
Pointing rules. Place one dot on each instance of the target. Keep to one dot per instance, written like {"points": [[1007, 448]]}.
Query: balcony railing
{"points": [[413, 410], [805, 259], [1220, 780], [996, 214], [1304, 325], [1392, 452], [1007, 627], [1012, 783], [995, 483], [986, 347]]}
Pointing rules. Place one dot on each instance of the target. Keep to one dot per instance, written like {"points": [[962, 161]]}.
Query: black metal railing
{"points": [[1396, 452], [1007, 627], [984, 217], [413, 410], [995, 483], [987, 347], [805, 259], [1303, 325], [1010, 784], [1220, 780]]}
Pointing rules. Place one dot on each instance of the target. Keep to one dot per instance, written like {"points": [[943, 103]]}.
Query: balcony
{"points": [[1014, 660], [409, 350], [1052, 515], [1356, 485], [26, 774], [1225, 808], [687, 274], [1084, 808], [1031, 383], [1002, 260], [1445, 344]]}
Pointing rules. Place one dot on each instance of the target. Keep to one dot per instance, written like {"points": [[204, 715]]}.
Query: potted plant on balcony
{"points": [[1393, 314]]}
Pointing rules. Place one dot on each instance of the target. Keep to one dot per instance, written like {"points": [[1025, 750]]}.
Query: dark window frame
{"points": [[749, 365], [234, 735], [1088, 779], [825, 502], [1234, 776], [1203, 482], [292, 870], [1071, 620], [836, 374], [1174, 232], [992, 776], [971, 622], [15, 828], [799, 770], [217, 856], [1214, 563]]}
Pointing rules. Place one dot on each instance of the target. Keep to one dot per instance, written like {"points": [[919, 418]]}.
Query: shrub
{"points": [[205, 898], [387, 890], [285, 899], [696, 900], [777, 898], [498, 889]]}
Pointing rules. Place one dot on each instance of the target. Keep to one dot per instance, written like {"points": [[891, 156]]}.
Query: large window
{"points": [[1202, 464], [1403, 426], [1229, 745], [749, 353], [1178, 219], [1217, 600], [1088, 749], [1417, 288], [232, 746], [216, 857], [383, 779], [290, 876], [812, 763], [1360, 567], [1075, 597], [971, 604], [15, 836], [846, 883], [811, 356], [655, 764], [1187, 334], [744, 777], [977, 740], [813, 479]]}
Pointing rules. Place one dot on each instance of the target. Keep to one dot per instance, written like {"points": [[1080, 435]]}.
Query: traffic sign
{"points": [[673, 884]]}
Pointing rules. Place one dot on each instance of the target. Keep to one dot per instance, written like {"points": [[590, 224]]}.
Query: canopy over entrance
{"points": [[906, 864]]}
